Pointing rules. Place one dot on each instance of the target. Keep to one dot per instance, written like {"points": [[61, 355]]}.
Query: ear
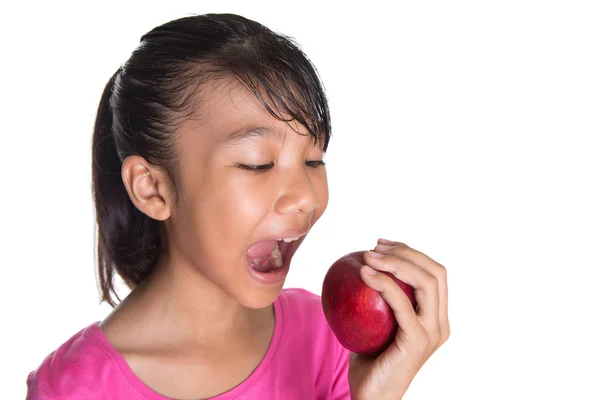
{"points": [[149, 188]]}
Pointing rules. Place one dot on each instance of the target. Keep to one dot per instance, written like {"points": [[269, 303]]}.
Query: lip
{"points": [[277, 277], [292, 233]]}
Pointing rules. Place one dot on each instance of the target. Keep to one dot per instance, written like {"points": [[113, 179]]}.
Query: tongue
{"points": [[262, 249]]}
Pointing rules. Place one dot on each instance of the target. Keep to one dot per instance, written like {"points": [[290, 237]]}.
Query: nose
{"points": [[298, 195]]}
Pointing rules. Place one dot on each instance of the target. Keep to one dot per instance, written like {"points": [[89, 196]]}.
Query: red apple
{"points": [[360, 318]]}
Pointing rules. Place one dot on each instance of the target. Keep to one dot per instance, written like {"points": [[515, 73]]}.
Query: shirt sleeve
{"points": [[34, 390]]}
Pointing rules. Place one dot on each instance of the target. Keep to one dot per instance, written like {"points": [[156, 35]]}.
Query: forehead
{"points": [[228, 112]]}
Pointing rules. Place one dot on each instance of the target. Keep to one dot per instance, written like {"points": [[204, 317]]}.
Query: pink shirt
{"points": [[304, 361]]}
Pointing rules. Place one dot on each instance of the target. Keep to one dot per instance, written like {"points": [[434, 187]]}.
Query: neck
{"points": [[179, 304]]}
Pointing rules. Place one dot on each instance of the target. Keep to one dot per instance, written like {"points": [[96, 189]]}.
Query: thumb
{"points": [[373, 278]]}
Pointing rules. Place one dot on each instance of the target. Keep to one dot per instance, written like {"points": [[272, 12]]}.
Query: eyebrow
{"points": [[252, 132]]}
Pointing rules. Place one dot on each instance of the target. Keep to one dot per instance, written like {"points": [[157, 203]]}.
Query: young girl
{"points": [[207, 175]]}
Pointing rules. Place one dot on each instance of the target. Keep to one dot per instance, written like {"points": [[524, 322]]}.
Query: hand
{"points": [[421, 333]]}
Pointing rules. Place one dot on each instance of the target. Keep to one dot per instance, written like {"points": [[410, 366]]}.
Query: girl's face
{"points": [[247, 178]]}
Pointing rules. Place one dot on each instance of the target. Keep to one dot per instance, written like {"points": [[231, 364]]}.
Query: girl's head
{"points": [[208, 140]]}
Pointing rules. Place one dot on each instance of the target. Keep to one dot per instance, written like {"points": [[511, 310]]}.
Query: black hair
{"points": [[154, 92]]}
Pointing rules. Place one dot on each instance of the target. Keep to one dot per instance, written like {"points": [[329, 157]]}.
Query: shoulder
{"points": [[73, 370], [300, 306], [310, 343], [300, 298], [304, 318]]}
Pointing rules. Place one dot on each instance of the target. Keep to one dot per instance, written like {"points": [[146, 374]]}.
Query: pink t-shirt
{"points": [[304, 361]]}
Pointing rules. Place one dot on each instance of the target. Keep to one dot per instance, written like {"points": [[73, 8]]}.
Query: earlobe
{"points": [[146, 187]]}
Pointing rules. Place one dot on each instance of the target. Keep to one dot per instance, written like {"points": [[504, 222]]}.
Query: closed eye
{"points": [[256, 168], [266, 167], [314, 163]]}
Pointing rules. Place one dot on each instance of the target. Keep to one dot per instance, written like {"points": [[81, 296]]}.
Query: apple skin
{"points": [[359, 317]]}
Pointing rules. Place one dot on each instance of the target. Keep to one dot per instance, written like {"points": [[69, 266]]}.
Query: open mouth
{"points": [[270, 256]]}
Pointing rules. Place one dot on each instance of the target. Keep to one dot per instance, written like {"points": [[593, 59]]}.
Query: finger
{"points": [[424, 284], [399, 303], [439, 271]]}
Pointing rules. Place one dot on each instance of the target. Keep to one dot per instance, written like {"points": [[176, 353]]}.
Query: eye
{"points": [[256, 168], [314, 163]]}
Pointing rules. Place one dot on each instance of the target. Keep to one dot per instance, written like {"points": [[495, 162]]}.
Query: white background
{"points": [[467, 129]]}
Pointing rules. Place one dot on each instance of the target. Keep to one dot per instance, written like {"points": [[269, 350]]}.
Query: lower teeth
{"points": [[276, 257], [274, 261]]}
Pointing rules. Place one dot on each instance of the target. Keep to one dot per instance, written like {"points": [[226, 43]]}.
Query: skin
{"points": [[199, 324], [421, 333]]}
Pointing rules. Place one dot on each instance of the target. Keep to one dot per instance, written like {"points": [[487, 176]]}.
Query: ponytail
{"points": [[128, 240]]}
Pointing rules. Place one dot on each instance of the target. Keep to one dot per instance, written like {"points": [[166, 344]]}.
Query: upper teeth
{"points": [[287, 240]]}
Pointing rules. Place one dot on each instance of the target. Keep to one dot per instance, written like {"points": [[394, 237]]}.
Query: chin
{"points": [[259, 299]]}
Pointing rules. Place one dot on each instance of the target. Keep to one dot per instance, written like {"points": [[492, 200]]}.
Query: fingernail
{"points": [[385, 241], [383, 247], [374, 255], [369, 270]]}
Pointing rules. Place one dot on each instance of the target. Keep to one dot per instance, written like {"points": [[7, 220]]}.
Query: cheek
{"points": [[229, 208], [322, 190], [245, 199]]}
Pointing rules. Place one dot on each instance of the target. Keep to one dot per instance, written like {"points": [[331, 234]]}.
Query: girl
{"points": [[207, 175]]}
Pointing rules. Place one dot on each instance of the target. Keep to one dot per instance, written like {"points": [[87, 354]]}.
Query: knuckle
{"points": [[398, 249], [445, 334], [441, 271], [442, 277], [401, 248], [430, 280]]}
